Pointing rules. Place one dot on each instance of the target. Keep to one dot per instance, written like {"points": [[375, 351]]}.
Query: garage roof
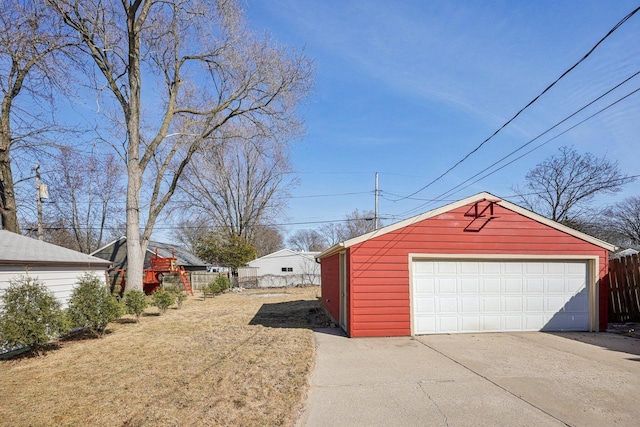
{"points": [[455, 205], [18, 249]]}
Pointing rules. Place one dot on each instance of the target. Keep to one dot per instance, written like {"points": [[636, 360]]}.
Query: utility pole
{"points": [[39, 202], [42, 192], [375, 216]]}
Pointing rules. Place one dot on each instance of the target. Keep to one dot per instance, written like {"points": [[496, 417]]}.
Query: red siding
{"points": [[330, 285], [379, 270]]}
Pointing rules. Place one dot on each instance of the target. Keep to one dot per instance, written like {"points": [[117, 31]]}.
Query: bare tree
{"points": [[331, 233], [307, 241], [624, 219], [358, 223], [189, 231], [562, 186], [267, 240], [239, 184], [87, 201], [202, 72], [30, 40]]}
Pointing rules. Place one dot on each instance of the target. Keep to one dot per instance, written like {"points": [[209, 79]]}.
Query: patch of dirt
{"points": [[630, 329]]}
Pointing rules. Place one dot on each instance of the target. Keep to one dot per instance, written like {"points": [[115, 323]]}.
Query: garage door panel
{"points": [[513, 285], [470, 285], [491, 323], [425, 285], [534, 285], [425, 304], [471, 323], [447, 305], [534, 303], [474, 295], [515, 268], [534, 268], [491, 304], [490, 268], [512, 304], [535, 322], [469, 268], [470, 304], [447, 323], [491, 285], [446, 285], [446, 267], [513, 323]]}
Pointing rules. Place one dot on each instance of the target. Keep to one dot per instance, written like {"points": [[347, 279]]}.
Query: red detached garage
{"points": [[477, 265]]}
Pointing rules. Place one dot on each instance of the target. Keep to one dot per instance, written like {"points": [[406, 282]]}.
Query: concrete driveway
{"points": [[507, 379]]}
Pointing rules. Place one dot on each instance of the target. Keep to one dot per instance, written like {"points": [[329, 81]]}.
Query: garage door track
{"points": [[506, 379]]}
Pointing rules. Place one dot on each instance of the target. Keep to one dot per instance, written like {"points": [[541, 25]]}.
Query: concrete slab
{"points": [[574, 376], [401, 381]]}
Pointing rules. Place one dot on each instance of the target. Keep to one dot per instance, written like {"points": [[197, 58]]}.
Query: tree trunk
{"points": [[8, 211], [135, 248]]}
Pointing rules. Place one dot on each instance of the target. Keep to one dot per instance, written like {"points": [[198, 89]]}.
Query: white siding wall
{"points": [[305, 270], [60, 280]]}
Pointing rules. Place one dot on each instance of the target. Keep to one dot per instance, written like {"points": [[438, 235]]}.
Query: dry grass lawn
{"points": [[236, 359]]}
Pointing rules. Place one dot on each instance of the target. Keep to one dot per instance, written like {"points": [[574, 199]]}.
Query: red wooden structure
{"points": [[159, 266]]}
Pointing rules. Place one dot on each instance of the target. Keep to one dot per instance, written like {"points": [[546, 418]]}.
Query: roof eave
{"points": [[338, 247]]}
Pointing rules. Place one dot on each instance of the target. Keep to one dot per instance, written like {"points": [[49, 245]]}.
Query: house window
{"points": [[285, 269]]}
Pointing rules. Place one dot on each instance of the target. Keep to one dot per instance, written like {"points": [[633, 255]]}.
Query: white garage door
{"points": [[493, 296]]}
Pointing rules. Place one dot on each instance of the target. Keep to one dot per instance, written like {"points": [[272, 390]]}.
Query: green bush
{"points": [[212, 288], [92, 306], [179, 293], [223, 282], [30, 315], [220, 284], [163, 299], [136, 302]]}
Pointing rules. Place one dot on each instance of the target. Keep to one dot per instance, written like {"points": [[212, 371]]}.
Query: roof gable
{"points": [[15, 248], [460, 203], [185, 258], [287, 253]]}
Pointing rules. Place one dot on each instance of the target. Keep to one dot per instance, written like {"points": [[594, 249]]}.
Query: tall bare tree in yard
{"points": [[267, 239], [562, 186], [307, 240], [30, 40], [201, 71], [624, 219], [86, 201], [239, 184]]}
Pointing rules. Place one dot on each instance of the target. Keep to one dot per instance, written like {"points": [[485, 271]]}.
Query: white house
{"points": [[287, 268], [57, 267]]}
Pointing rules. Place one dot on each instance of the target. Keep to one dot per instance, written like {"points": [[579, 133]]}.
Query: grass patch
{"points": [[230, 360]]}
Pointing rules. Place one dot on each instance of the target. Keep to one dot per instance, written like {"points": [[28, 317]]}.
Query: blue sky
{"points": [[407, 88]]}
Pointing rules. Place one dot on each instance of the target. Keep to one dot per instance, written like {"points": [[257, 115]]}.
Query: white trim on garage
{"points": [[591, 287]]}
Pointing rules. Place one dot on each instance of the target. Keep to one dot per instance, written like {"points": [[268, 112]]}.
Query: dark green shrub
{"points": [[179, 293], [91, 306], [30, 316], [136, 302], [163, 299], [212, 288], [223, 282]]}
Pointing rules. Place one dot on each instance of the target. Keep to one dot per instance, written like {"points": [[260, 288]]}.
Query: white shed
{"points": [[287, 268], [57, 267]]}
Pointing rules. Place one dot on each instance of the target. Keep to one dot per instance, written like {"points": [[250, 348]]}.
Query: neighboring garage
{"points": [[477, 265]]}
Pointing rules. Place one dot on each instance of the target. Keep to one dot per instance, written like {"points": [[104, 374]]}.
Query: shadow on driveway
{"points": [[609, 341]]}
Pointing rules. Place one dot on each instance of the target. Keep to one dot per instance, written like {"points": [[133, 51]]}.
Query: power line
{"points": [[611, 31], [451, 192]]}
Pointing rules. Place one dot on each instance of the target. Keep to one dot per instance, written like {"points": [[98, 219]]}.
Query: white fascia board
{"points": [[455, 205]]}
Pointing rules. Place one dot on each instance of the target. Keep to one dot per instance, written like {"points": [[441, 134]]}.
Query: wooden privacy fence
{"points": [[624, 289]]}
